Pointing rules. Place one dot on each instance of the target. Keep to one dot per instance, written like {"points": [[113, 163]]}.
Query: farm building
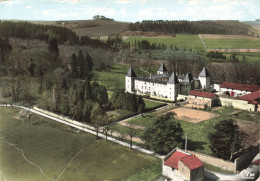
{"points": [[179, 165], [236, 90], [164, 84], [202, 100], [253, 98]]}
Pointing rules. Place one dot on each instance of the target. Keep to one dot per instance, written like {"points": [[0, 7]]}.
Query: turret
{"points": [[162, 69], [173, 87], [129, 80], [204, 78]]}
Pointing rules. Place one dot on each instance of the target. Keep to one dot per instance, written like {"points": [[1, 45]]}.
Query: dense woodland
{"points": [[194, 27]]}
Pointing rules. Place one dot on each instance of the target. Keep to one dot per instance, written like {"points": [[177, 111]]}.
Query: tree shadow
{"points": [[193, 145]]}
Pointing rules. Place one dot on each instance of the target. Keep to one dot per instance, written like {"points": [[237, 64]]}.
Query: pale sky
{"points": [[131, 10]]}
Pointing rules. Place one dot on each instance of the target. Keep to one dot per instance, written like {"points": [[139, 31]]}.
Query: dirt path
{"points": [[125, 136], [69, 162], [132, 126]]}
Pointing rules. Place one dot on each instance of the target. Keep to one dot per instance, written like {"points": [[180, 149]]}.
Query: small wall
{"points": [[181, 96], [223, 164], [199, 101], [236, 103], [64, 118]]}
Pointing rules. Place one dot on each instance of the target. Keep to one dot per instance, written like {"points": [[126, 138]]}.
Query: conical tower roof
{"points": [[162, 68], [204, 73], [188, 78], [173, 79], [131, 72]]}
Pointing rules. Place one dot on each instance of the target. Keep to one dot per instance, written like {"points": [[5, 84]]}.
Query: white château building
{"points": [[164, 84]]}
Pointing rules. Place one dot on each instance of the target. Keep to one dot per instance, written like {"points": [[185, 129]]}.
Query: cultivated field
{"points": [[182, 41], [231, 42], [230, 37], [192, 115], [45, 150]]}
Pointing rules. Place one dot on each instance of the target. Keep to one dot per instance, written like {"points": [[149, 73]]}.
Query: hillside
{"points": [[92, 28]]}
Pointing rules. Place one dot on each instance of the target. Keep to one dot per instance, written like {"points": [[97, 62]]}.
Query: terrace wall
{"points": [[226, 165], [236, 103]]}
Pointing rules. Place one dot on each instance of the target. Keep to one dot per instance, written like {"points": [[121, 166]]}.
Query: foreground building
{"points": [[179, 165], [164, 84]]}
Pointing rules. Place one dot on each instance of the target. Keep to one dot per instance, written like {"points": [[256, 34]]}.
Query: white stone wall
{"points": [[205, 82], [171, 173], [216, 87], [129, 84], [156, 89], [236, 103], [236, 92]]}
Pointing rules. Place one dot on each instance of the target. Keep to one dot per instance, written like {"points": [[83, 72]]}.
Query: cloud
{"points": [[28, 7], [143, 1], [159, 13], [124, 1]]}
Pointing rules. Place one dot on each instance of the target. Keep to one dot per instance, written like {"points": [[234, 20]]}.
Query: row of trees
{"points": [[81, 66], [127, 101], [146, 45], [26, 30], [195, 27]]}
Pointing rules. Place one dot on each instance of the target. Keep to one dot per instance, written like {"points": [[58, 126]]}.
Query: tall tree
{"points": [[226, 141], [81, 65], [165, 134], [74, 65]]}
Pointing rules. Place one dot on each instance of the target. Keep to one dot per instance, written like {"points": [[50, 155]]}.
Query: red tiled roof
{"points": [[201, 94], [174, 159], [256, 162], [192, 162], [236, 86], [251, 97]]}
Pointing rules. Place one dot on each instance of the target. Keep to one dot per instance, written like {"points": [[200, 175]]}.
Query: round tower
{"points": [[129, 80]]}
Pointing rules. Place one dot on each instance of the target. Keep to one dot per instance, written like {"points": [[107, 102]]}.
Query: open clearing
{"points": [[182, 41], [231, 37], [193, 116], [45, 150], [245, 43]]}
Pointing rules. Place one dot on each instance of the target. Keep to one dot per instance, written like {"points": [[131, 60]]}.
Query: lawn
{"points": [[245, 115], [125, 130], [226, 110], [114, 78], [152, 104], [232, 43], [197, 133], [51, 146], [153, 172], [182, 41]]}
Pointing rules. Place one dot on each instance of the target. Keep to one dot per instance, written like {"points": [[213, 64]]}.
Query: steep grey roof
{"points": [[204, 73], [173, 79], [151, 80], [159, 76], [188, 78], [162, 68], [131, 72], [180, 76]]}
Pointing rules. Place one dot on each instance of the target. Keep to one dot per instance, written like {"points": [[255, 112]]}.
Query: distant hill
{"points": [[252, 23], [87, 27]]}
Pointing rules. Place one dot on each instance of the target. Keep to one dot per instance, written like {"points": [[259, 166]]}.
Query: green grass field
{"points": [[52, 146], [115, 77], [197, 133], [182, 41], [232, 43], [152, 104]]}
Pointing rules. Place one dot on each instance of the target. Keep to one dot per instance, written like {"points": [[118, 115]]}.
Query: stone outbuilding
{"points": [[202, 100], [179, 165]]}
